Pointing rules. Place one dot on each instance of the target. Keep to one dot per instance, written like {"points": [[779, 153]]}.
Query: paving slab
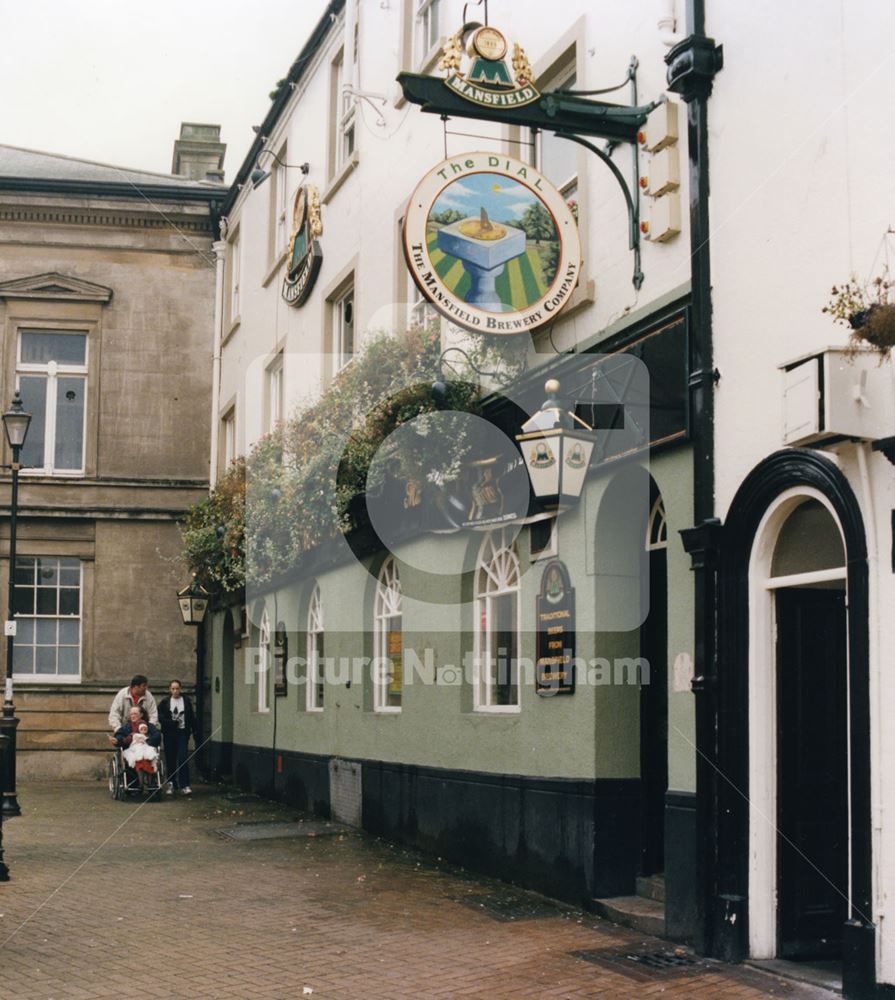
{"points": [[122, 898]]}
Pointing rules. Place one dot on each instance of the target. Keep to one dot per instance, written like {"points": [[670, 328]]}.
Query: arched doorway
{"points": [[737, 789], [798, 731]]}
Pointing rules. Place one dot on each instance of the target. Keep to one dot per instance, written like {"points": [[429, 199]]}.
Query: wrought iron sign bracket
{"points": [[571, 115]]}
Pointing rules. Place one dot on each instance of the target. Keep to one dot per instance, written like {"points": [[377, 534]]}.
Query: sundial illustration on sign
{"points": [[304, 255], [486, 79], [491, 243]]}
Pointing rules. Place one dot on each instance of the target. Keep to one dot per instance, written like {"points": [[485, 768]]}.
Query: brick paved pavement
{"points": [[111, 900]]}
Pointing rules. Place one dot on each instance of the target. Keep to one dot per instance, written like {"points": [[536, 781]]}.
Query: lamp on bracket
{"points": [[259, 175]]}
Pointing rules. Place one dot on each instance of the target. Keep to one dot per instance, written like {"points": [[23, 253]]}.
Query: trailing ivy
{"points": [[300, 485]]}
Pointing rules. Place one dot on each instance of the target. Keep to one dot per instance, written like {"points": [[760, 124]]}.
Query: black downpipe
{"points": [[692, 65]]}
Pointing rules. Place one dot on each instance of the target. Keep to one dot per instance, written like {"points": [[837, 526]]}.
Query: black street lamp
{"points": [[193, 603], [15, 423]]}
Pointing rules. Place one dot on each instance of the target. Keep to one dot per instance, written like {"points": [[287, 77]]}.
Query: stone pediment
{"points": [[53, 285]]}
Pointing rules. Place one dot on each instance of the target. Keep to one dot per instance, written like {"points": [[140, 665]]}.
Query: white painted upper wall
{"points": [[802, 193], [360, 219]]}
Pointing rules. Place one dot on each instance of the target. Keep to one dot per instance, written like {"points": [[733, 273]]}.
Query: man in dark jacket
{"points": [[178, 722]]}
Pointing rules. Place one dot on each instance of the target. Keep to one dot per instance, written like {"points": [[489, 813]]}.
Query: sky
{"points": [[110, 81], [501, 198]]}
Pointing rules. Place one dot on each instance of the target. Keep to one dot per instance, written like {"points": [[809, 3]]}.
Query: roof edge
{"points": [[296, 72]]}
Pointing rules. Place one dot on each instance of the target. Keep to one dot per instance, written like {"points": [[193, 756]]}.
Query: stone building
{"points": [[106, 297], [756, 756]]}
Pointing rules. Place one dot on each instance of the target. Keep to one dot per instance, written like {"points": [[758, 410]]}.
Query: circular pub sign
{"points": [[492, 244]]}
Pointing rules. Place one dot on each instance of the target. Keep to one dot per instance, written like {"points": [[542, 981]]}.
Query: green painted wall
{"points": [[593, 733]]}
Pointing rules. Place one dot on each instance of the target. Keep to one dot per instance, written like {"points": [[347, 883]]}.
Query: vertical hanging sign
{"points": [[555, 647]]}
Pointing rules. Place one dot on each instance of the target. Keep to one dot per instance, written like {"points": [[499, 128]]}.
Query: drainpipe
{"points": [[220, 249], [667, 25], [720, 922]]}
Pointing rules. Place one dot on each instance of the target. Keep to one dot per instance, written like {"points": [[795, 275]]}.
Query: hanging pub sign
{"points": [[485, 79], [305, 255], [555, 647], [492, 244]]}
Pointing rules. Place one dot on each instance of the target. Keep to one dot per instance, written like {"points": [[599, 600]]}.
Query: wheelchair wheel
{"points": [[116, 778]]}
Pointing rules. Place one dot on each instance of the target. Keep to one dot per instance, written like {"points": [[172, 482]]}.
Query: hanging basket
{"points": [[875, 326]]}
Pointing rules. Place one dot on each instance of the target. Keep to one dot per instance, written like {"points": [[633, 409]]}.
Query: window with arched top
{"points": [[657, 527], [262, 674], [388, 632], [315, 681], [497, 580]]}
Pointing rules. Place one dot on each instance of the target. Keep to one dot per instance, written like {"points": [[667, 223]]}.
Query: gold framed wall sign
{"points": [[304, 256], [492, 244]]}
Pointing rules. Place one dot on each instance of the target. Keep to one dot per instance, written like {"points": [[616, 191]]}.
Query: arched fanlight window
{"points": [[263, 667], [315, 685], [388, 633], [657, 527], [497, 625]]}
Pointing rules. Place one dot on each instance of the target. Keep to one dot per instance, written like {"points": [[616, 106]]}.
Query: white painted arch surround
{"points": [[763, 715]]}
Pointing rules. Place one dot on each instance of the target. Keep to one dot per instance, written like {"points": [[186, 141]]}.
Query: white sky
{"points": [[112, 81]]}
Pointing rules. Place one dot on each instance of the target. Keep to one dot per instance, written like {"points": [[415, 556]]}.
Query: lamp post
{"points": [[15, 423], [556, 447], [193, 603]]}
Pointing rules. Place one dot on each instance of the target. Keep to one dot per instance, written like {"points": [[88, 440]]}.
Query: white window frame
{"points": [[56, 678], [228, 436], [346, 113], [426, 17], [235, 276], [275, 392], [281, 205], [262, 674], [656, 527], [315, 699], [498, 574], [339, 326], [53, 370], [420, 311], [388, 605], [567, 186]]}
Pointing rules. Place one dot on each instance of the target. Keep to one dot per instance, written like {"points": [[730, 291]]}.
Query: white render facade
{"points": [[775, 522]]}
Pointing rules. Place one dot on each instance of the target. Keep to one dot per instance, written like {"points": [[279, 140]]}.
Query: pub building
{"points": [[633, 637]]}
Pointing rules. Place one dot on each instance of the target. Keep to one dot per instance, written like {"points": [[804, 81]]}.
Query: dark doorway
{"points": [[654, 719], [812, 790]]}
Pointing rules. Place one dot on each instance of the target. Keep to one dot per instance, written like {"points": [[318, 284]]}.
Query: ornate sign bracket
{"points": [[568, 114]]}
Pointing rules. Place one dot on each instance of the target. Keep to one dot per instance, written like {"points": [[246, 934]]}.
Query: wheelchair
{"points": [[125, 781]]}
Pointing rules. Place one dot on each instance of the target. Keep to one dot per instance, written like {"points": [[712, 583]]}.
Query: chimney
{"points": [[199, 153]]}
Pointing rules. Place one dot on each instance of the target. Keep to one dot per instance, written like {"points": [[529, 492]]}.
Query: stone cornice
{"points": [[77, 216]]}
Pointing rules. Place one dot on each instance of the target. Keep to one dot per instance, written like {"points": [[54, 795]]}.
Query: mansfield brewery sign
{"points": [[491, 243], [487, 80], [305, 255]]}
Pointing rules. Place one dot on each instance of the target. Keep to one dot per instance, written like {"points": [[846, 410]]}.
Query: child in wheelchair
{"points": [[139, 741]]}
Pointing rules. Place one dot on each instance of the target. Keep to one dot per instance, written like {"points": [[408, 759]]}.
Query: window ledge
{"points": [[314, 711], [426, 66], [234, 326], [274, 268], [511, 710], [386, 711], [584, 295], [341, 176], [44, 679]]}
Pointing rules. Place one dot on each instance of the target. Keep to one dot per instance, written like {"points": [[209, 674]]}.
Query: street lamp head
{"points": [[193, 603], [556, 446], [16, 421]]}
